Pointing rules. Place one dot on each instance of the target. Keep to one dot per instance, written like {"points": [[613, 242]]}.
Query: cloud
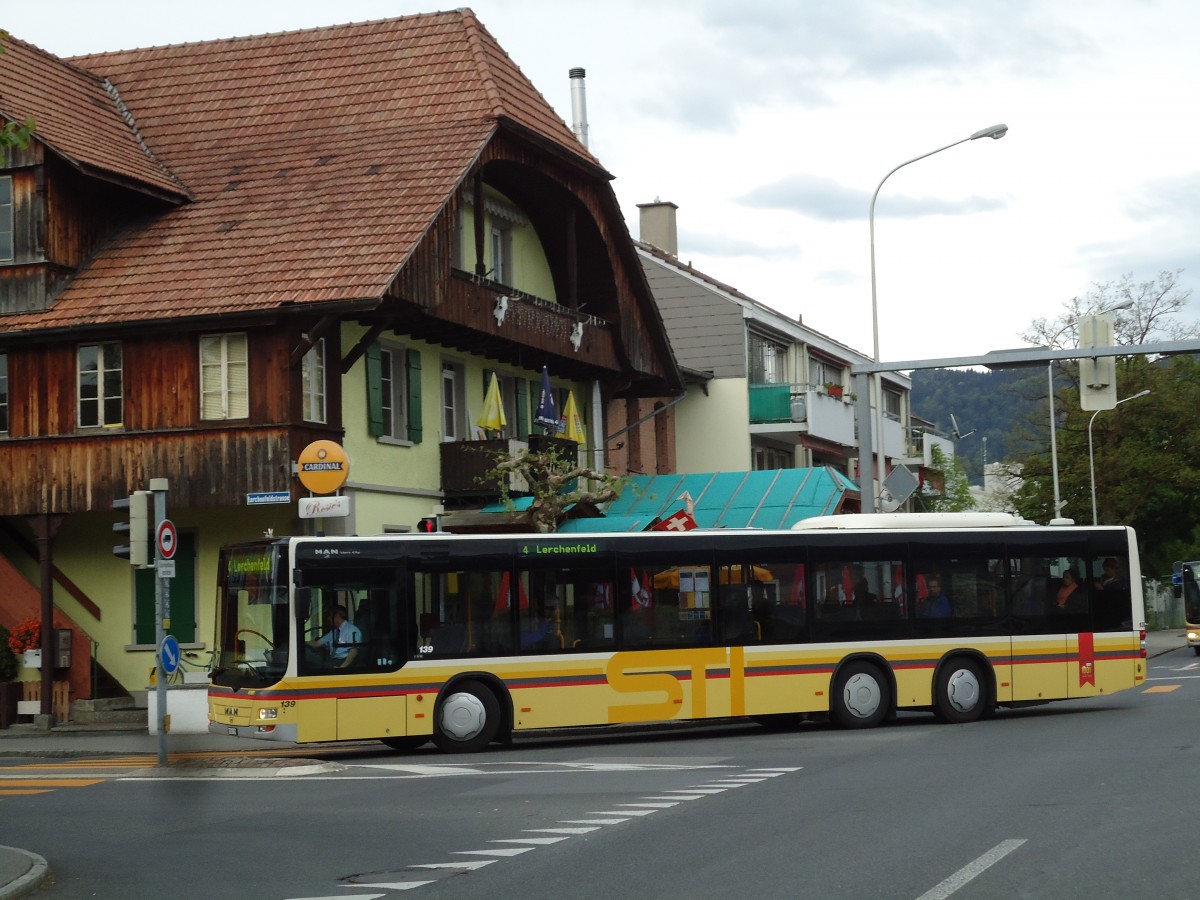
{"points": [[1166, 197], [818, 197]]}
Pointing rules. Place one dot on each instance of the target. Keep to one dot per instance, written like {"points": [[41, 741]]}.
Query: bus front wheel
{"points": [[468, 719], [960, 694], [861, 696]]}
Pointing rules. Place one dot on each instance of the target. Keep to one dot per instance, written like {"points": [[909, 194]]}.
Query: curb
{"points": [[30, 880]]}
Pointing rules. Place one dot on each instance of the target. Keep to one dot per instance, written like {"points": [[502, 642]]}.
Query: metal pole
{"points": [[162, 616], [1053, 442], [1092, 459], [864, 440]]}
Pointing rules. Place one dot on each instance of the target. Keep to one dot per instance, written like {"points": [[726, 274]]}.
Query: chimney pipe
{"points": [[579, 123]]}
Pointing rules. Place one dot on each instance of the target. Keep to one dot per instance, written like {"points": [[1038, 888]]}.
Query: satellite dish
{"points": [[958, 435]]}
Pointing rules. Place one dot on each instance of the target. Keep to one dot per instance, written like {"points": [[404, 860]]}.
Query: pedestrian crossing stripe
{"points": [[1161, 689]]}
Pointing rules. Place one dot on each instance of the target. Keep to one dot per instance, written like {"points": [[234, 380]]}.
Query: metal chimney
{"points": [[579, 105]]}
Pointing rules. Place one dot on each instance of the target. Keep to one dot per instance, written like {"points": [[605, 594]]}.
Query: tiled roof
{"points": [[77, 116], [317, 160]]}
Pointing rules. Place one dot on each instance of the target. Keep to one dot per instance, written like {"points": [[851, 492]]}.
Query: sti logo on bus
{"points": [[661, 673]]}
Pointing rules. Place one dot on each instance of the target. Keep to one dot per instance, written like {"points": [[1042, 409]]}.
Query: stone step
{"points": [[107, 711]]}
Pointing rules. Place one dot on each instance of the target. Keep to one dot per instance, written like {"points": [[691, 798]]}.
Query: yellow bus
{"points": [[1189, 588], [466, 640]]}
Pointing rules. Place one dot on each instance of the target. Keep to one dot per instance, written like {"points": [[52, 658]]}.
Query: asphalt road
{"points": [[1082, 799]]}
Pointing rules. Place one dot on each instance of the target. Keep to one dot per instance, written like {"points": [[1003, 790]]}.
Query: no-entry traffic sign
{"points": [[167, 539]]}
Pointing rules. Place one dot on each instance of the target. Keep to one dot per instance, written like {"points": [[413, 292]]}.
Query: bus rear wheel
{"points": [[861, 696], [960, 694], [468, 719]]}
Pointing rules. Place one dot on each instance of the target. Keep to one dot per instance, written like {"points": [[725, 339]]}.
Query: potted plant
{"points": [[833, 390], [10, 688], [26, 638]]}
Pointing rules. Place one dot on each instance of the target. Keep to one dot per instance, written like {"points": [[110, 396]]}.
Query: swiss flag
{"points": [[680, 521]]}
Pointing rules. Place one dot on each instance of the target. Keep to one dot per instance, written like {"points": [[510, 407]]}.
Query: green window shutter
{"points": [[522, 409], [412, 363], [183, 597], [374, 392]]}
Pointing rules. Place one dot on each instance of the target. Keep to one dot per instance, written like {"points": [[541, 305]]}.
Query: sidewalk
{"points": [[21, 872]]}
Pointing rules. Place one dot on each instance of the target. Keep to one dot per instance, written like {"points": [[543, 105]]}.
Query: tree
{"points": [[1146, 456], [955, 495], [554, 477]]}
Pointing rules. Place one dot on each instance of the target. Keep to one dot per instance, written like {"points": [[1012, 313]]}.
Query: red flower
{"points": [[27, 635]]}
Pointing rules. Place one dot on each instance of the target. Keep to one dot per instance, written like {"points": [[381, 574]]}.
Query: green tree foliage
{"points": [[954, 494], [1146, 453]]}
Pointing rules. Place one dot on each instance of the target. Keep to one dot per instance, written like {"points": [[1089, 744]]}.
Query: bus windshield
{"points": [[252, 611]]}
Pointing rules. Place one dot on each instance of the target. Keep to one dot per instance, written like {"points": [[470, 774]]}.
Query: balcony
{"points": [[785, 411], [465, 465]]}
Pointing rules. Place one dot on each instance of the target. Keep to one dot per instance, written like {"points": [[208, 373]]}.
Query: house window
{"points": [[770, 458], [393, 393], [224, 385], [822, 372], [891, 403], [100, 385], [454, 403], [313, 386], [3, 392], [6, 218], [767, 360], [501, 248]]}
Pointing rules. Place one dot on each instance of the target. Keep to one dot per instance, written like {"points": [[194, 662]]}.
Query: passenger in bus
{"points": [[1111, 579], [1069, 598], [340, 644], [936, 604]]}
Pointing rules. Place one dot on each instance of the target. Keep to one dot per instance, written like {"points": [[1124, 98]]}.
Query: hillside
{"points": [[997, 412]]}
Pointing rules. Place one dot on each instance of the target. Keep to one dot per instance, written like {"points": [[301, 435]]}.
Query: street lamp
{"points": [[995, 132], [1091, 458]]}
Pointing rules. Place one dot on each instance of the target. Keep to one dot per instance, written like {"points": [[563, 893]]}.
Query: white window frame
{"points": [[105, 366], [393, 377], [313, 383], [501, 250], [224, 377], [768, 358]]}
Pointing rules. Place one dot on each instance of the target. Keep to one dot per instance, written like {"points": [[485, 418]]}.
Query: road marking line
{"points": [[702, 790], [562, 830], [387, 886], [464, 864], [499, 851], [18, 792], [531, 840], [681, 797], [592, 821], [666, 805], [972, 870], [621, 812], [1161, 689]]}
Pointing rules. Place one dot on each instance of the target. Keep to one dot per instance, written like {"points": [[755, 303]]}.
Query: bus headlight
{"points": [[1192, 635], [268, 714]]}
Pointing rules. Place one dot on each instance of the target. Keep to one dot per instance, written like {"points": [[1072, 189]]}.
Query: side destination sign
{"points": [[559, 549]]}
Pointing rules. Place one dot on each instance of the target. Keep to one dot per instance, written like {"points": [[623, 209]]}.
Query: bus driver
{"points": [[341, 642]]}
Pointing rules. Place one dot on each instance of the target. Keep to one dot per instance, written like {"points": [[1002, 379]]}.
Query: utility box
{"points": [[62, 648]]}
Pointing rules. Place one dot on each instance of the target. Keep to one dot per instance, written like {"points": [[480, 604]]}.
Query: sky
{"points": [[771, 125]]}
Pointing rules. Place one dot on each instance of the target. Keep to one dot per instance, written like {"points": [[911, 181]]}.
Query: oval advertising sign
{"points": [[323, 467]]}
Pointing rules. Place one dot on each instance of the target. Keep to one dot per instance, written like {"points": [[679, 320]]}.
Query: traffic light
{"points": [[139, 527], [428, 525]]}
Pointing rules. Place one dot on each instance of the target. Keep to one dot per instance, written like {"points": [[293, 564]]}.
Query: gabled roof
{"points": [[317, 160], [78, 116]]}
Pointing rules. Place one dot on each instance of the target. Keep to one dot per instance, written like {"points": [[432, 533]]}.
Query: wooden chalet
{"points": [[206, 248]]}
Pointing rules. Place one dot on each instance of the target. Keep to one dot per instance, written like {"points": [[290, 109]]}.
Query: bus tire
{"points": [[861, 696], [467, 720], [960, 694], [406, 744]]}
